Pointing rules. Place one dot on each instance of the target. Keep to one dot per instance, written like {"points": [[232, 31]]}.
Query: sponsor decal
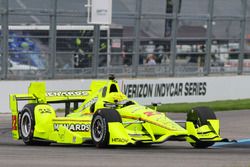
{"points": [[120, 140], [138, 90], [165, 89], [168, 89], [61, 136], [73, 139], [205, 134], [102, 12], [150, 113], [90, 103], [68, 93], [44, 110], [74, 127], [195, 89], [14, 123]]}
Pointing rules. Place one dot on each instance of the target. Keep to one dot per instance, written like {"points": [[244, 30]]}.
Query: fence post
{"points": [[173, 38], [242, 37], [52, 39], [209, 37], [96, 46], [5, 35], [136, 54]]}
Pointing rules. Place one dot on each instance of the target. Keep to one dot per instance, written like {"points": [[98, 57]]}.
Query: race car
{"points": [[104, 116]]}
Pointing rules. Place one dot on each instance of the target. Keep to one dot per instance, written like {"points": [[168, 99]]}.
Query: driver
{"points": [[115, 97]]}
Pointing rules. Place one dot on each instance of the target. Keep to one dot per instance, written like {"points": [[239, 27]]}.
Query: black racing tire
{"points": [[199, 117], [99, 126], [202, 144], [27, 124]]}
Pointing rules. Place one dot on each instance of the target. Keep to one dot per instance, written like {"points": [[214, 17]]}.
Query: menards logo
{"points": [[74, 127], [119, 140]]}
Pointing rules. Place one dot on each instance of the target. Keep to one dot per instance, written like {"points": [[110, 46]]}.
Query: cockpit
{"points": [[114, 98]]}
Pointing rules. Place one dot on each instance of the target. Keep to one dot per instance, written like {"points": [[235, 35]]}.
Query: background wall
{"points": [[190, 89], [145, 91]]}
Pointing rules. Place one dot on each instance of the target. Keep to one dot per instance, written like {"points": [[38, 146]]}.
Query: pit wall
{"points": [[145, 91]]}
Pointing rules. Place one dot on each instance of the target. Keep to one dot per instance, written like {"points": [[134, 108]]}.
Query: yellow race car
{"points": [[104, 116]]}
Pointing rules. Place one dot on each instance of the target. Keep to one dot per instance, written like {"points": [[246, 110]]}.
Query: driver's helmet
{"points": [[114, 97]]}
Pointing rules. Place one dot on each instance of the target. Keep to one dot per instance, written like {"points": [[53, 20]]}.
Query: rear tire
{"points": [[27, 124], [199, 117], [99, 126]]}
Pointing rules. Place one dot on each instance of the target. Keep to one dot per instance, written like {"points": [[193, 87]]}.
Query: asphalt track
{"points": [[234, 125]]}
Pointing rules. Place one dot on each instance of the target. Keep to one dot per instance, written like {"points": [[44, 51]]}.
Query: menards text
{"points": [[74, 127]]}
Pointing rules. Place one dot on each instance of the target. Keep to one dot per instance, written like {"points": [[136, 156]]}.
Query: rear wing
{"points": [[37, 94]]}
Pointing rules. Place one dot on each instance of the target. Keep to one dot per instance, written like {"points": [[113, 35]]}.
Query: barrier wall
{"points": [[145, 91], [197, 89]]}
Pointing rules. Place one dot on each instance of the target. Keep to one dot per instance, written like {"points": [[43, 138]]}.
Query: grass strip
{"points": [[226, 105]]}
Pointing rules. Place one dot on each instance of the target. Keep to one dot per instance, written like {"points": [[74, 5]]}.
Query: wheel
{"points": [[202, 144], [27, 124], [99, 126], [199, 117]]}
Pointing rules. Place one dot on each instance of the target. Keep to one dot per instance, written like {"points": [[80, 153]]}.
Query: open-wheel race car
{"points": [[104, 116]]}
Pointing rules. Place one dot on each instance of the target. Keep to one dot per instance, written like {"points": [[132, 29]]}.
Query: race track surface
{"points": [[234, 125]]}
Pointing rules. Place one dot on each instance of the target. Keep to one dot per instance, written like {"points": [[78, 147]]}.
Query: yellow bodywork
{"points": [[139, 123]]}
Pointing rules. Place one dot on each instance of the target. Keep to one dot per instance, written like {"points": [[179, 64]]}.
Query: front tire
{"points": [[199, 117], [99, 126]]}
